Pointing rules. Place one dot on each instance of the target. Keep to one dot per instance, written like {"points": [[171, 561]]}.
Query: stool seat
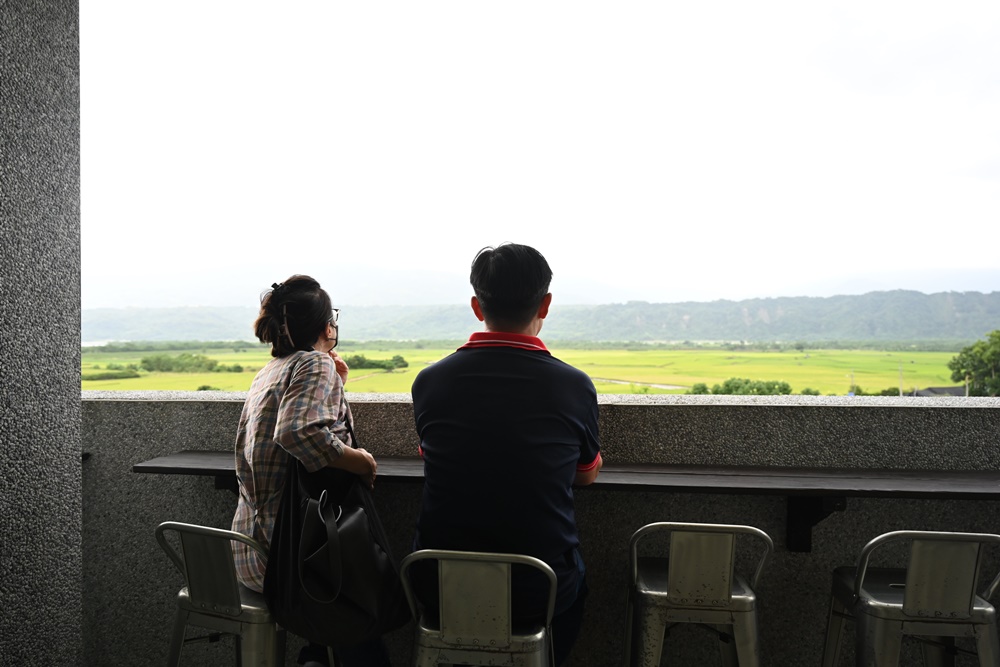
{"points": [[652, 581], [934, 597], [527, 646], [253, 608], [883, 593]]}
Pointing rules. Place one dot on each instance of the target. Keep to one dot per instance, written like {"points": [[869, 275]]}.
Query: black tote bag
{"points": [[330, 575]]}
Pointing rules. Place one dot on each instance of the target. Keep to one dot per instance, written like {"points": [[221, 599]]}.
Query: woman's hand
{"points": [[359, 462], [340, 365]]}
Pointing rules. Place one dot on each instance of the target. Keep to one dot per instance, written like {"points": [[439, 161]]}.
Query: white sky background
{"points": [[651, 150]]}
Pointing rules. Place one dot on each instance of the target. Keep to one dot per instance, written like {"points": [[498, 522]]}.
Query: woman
{"points": [[296, 405]]}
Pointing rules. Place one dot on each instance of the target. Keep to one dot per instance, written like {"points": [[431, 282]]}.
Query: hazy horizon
{"points": [[381, 288]]}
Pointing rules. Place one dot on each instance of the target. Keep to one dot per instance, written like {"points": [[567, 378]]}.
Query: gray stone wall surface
{"points": [[40, 491], [826, 432], [130, 585]]}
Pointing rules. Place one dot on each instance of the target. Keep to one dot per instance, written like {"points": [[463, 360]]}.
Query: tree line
{"points": [[389, 365], [187, 362], [978, 366]]}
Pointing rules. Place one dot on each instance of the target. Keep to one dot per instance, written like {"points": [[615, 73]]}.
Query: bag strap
{"points": [[321, 510], [329, 521], [347, 421]]}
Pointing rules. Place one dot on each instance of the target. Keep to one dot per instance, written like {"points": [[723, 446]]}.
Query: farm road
{"points": [[642, 384]]}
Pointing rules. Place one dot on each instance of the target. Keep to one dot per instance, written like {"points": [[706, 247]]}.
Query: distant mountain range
{"points": [[898, 315]]}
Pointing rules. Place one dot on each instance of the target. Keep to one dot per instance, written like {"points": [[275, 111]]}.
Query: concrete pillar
{"points": [[40, 487]]}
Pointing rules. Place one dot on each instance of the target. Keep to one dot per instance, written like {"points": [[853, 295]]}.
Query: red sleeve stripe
{"points": [[584, 467]]}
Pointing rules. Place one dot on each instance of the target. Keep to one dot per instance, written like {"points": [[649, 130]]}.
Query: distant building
{"points": [[940, 391]]}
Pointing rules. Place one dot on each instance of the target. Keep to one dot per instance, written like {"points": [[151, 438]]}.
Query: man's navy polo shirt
{"points": [[504, 427]]}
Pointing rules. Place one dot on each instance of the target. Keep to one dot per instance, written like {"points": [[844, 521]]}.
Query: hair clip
{"points": [[283, 330]]}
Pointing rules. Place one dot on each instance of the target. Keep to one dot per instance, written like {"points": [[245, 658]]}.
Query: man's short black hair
{"points": [[510, 282]]}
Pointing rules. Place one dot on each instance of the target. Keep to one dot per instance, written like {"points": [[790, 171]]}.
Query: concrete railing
{"points": [[129, 585]]}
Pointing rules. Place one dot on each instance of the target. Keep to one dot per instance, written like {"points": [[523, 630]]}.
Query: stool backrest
{"points": [[205, 559], [701, 560], [475, 601], [474, 590], [700, 568], [942, 572]]}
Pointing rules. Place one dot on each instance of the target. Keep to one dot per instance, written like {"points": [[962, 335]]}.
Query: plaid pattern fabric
{"points": [[296, 405]]}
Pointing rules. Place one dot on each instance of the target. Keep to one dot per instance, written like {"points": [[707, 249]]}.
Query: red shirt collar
{"points": [[503, 339]]}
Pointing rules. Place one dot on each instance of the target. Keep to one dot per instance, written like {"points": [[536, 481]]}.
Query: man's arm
{"points": [[587, 475]]}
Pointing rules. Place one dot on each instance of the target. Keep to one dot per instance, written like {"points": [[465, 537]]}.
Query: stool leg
{"points": [[747, 640], [988, 645], [627, 653], [424, 656], [878, 641], [649, 627], [258, 645], [863, 640], [834, 629], [177, 640], [541, 658], [727, 645], [936, 654]]}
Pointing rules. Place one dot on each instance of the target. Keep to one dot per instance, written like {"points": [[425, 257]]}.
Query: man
{"points": [[506, 430]]}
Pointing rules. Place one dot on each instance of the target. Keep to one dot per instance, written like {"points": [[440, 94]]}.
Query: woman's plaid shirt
{"points": [[295, 405]]}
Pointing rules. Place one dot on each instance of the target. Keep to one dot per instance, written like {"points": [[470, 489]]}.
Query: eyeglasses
{"points": [[336, 316]]}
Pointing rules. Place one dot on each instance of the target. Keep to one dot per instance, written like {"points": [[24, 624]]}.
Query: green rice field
{"points": [[653, 371]]}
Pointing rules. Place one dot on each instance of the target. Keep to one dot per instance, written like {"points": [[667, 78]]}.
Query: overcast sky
{"points": [[658, 151]]}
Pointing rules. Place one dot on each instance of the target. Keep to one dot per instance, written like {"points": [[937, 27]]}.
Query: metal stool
{"points": [[212, 598], [474, 625], [696, 584], [934, 597]]}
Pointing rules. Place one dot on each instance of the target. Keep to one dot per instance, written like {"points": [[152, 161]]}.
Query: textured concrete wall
{"points": [[40, 492], [129, 585]]}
